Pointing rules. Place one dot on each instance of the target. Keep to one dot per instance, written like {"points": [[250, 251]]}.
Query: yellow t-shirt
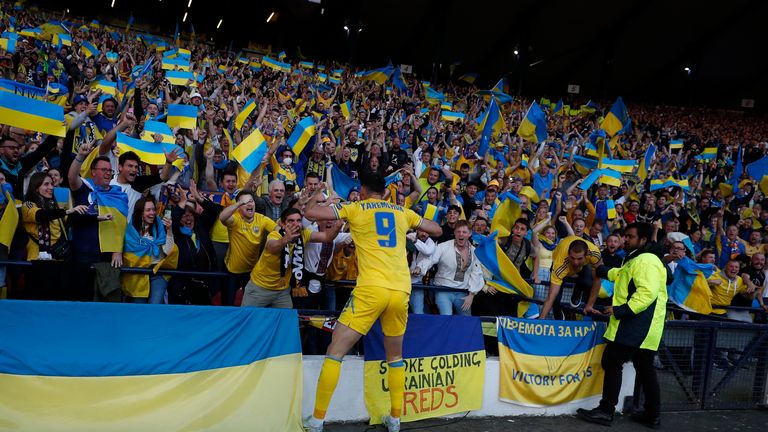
{"points": [[561, 267], [219, 231], [725, 292], [266, 273], [378, 229], [245, 241], [28, 211]]}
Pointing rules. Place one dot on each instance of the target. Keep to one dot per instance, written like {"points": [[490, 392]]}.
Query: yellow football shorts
{"points": [[367, 304]]}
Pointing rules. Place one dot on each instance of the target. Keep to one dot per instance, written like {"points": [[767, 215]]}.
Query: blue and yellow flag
{"points": [[175, 379], [452, 116], [32, 114], [62, 197], [112, 201], [302, 133], [504, 216], [251, 151], [54, 93], [244, 113], [491, 124], [430, 211], [152, 127], [445, 105], [610, 177], [620, 165], [106, 87], [676, 144], [112, 57], [611, 208], [88, 49], [179, 77], [182, 116], [379, 76], [616, 119], [8, 41], [547, 362], [306, 64], [398, 81], [469, 78], [505, 277], [708, 154], [177, 63], [534, 125], [345, 109], [150, 152], [139, 251], [342, 183], [558, 107], [645, 163], [668, 182], [689, 288], [444, 359]]}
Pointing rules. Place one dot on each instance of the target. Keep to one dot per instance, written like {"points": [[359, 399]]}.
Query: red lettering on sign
{"points": [[451, 391], [410, 399]]}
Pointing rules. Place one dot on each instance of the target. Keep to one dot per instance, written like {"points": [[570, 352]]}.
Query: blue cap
{"points": [[79, 98], [404, 146]]}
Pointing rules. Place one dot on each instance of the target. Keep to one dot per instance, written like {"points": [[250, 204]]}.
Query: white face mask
{"points": [[287, 161]]}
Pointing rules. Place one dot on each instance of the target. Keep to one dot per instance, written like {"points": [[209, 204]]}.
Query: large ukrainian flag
{"points": [[119, 367], [547, 362]]}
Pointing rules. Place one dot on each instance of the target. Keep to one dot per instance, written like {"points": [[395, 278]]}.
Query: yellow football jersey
{"points": [[245, 242], [378, 229], [561, 267]]}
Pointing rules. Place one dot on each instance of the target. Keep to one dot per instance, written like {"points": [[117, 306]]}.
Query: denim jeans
{"points": [[447, 301], [157, 288], [417, 301]]}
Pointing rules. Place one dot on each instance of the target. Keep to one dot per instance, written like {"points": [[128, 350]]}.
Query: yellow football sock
{"points": [[326, 384], [396, 381]]}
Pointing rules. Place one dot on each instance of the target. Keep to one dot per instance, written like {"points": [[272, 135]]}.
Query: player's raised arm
{"points": [[431, 227], [316, 211]]}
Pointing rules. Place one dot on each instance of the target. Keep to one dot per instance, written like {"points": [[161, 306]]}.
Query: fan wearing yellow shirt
{"points": [[246, 232], [383, 288], [281, 265]]}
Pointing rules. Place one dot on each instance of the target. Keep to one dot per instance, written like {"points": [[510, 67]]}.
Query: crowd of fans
{"points": [[201, 211]]}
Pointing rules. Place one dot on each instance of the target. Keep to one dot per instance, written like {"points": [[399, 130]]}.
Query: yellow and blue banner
{"points": [[430, 211], [32, 114], [558, 107], [306, 64], [8, 41], [179, 77], [88, 49], [275, 64], [444, 360], [689, 288], [246, 111], [302, 133], [54, 93], [548, 362], [616, 119], [112, 57], [610, 177], [534, 126], [251, 151], [610, 208], [451, 116], [182, 116], [676, 144], [446, 105], [176, 379], [150, 152]]}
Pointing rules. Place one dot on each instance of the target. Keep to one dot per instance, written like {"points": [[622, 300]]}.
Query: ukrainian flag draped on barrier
{"points": [[546, 363], [444, 368], [163, 368]]}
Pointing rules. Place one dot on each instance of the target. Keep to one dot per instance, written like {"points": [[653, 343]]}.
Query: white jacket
{"points": [[445, 258]]}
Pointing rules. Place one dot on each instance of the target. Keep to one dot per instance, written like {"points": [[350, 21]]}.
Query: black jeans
{"points": [[614, 357]]}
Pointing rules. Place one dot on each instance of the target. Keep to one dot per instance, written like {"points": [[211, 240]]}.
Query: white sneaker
{"points": [[392, 424], [311, 424]]}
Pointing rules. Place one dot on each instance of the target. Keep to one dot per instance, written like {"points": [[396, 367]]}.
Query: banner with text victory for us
{"points": [[545, 363], [444, 368]]}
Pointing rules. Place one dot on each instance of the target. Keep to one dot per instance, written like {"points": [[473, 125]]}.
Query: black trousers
{"points": [[614, 357]]}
